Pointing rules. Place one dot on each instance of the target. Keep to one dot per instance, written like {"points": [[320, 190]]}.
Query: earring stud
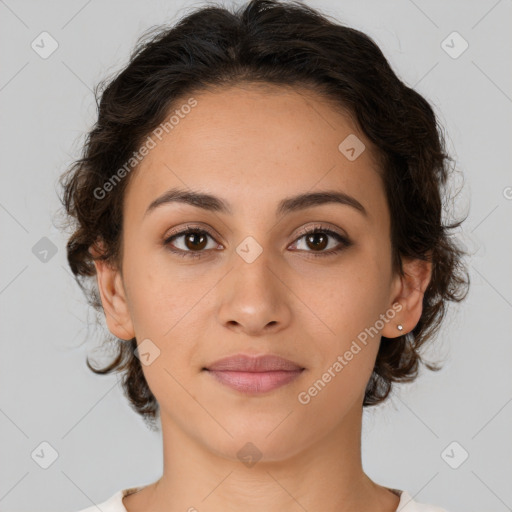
{"points": [[400, 327]]}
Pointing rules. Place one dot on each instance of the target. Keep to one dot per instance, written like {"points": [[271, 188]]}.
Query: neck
{"points": [[326, 475]]}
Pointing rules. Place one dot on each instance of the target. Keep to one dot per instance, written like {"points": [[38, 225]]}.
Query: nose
{"points": [[254, 299]]}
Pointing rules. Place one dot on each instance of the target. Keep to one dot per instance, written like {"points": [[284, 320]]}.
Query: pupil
{"points": [[314, 237], [190, 238]]}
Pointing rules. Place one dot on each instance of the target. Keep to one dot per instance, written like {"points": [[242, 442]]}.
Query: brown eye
{"points": [[192, 243], [317, 239], [195, 241]]}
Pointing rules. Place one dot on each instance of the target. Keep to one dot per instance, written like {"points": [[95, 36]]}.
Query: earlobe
{"points": [[113, 299], [411, 290]]}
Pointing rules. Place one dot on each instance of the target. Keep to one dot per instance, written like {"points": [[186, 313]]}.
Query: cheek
{"points": [[342, 381], [347, 307], [345, 300], [158, 297], [146, 300], [165, 307]]}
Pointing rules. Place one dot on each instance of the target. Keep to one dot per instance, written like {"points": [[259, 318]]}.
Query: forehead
{"points": [[252, 143]]}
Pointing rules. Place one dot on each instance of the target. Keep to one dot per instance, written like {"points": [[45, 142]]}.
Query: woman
{"points": [[260, 202]]}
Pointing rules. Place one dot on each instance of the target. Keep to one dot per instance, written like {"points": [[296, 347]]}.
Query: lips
{"points": [[254, 375], [264, 363]]}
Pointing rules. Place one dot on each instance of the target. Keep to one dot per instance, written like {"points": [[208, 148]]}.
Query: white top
{"points": [[115, 503]]}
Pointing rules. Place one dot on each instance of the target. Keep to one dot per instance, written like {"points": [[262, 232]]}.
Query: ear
{"points": [[408, 292], [113, 298]]}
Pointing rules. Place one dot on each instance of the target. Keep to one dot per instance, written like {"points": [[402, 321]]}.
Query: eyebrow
{"points": [[291, 204]]}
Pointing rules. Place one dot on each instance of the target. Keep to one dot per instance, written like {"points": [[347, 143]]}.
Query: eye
{"points": [[193, 243], [318, 239]]}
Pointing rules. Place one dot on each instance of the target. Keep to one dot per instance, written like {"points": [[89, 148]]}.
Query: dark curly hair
{"points": [[289, 44]]}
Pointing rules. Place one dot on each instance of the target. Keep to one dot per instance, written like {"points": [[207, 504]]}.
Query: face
{"points": [[250, 279]]}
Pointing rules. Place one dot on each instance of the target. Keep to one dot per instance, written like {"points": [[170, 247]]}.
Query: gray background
{"points": [[47, 394]]}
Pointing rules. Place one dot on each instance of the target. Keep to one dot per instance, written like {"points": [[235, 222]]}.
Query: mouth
{"points": [[255, 382], [254, 375]]}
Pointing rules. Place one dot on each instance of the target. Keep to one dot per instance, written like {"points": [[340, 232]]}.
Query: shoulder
{"points": [[408, 504], [115, 503], [112, 504]]}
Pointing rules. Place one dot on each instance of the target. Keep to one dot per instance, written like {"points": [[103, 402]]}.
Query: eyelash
{"points": [[345, 242]]}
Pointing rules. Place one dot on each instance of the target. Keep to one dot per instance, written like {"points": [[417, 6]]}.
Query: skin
{"points": [[253, 146]]}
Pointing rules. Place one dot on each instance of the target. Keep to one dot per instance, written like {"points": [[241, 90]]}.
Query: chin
{"points": [[257, 443]]}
